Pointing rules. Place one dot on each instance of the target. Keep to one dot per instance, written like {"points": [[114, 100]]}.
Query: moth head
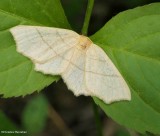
{"points": [[84, 42]]}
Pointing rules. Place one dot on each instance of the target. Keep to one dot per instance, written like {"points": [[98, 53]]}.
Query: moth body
{"points": [[83, 65]]}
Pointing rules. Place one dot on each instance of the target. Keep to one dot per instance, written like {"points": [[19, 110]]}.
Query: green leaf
{"points": [[8, 125], [121, 132], [35, 114], [132, 41], [17, 75]]}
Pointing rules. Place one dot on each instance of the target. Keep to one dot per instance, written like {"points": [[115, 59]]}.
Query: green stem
{"points": [[97, 119], [85, 32], [87, 17]]}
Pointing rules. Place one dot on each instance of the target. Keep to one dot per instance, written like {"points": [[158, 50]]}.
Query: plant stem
{"points": [[87, 17], [97, 119], [85, 32]]}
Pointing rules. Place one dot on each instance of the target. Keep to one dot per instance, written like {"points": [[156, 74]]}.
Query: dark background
{"points": [[76, 112]]}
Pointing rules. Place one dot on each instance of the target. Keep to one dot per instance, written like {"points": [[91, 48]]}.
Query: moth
{"points": [[84, 66]]}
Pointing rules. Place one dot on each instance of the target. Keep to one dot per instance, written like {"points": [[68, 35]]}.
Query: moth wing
{"points": [[74, 76], [46, 46], [103, 80]]}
